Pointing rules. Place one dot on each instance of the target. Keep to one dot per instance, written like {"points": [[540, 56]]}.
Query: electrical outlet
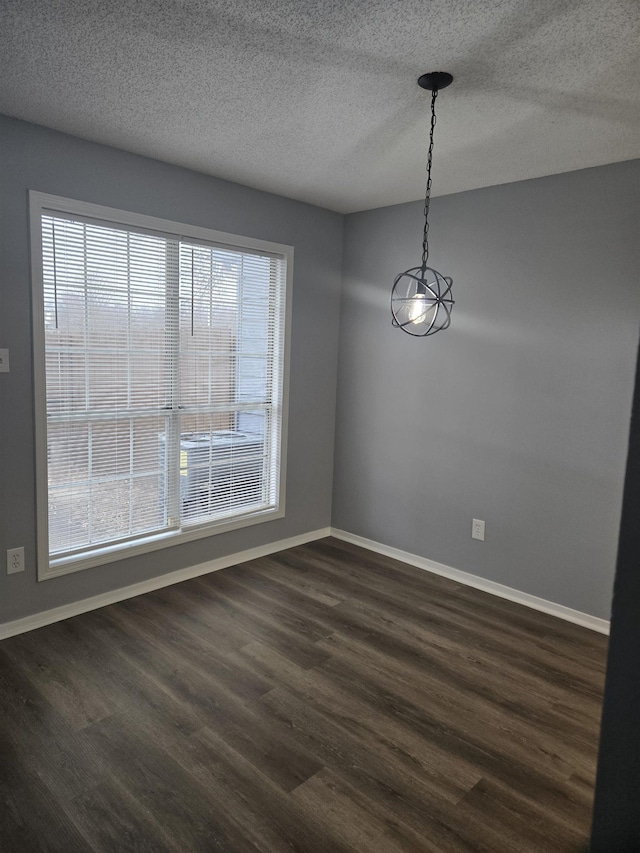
{"points": [[15, 560], [477, 529]]}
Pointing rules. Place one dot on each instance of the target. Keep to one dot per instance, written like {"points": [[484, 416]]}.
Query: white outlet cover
{"points": [[15, 560], [477, 529]]}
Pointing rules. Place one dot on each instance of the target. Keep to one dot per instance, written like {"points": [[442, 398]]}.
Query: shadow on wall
{"points": [[616, 816]]}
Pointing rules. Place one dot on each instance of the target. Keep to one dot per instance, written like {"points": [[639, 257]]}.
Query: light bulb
{"points": [[420, 309]]}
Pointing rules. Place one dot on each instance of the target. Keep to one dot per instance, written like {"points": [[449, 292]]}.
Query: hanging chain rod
{"points": [[427, 197]]}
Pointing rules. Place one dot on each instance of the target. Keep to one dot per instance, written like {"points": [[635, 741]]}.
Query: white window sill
{"points": [[122, 551]]}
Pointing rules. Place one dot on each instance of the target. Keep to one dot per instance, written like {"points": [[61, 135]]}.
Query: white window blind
{"points": [[164, 382]]}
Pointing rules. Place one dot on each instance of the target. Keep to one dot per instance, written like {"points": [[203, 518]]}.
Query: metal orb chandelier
{"points": [[421, 300]]}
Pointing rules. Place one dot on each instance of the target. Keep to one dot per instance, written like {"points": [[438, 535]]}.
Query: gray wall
{"points": [[32, 157], [519, 414]]}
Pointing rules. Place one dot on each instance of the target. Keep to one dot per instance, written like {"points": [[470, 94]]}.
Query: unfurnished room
{"points": [[319, 426]]}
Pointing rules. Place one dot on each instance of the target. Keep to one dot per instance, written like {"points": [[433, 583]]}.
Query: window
{"points": [[160, 382]]}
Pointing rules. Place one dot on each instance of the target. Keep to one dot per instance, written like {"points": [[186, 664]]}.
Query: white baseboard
{"points": [[502, 591], [57, 614]]}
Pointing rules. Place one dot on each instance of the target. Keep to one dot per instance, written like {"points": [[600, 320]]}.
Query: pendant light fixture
{"points": [[421, 300]]}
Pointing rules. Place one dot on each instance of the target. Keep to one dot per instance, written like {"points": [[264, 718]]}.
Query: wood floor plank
{"points": [[337, 619], [184, 810], [325, 699], [354, 819], [446, 614], [252, 805], [395, 779], [111, 818], [32, 815], [519, 818], [432, 683], [205, 674], [40, 740], [59, 676], [258, 624], [355, 719], [500, 728]]}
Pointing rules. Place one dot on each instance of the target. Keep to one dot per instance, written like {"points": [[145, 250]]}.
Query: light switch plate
{"points": [[4, 360]]}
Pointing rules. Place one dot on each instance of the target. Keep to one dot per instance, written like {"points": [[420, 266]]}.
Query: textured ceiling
{"points": [[317, 99]]}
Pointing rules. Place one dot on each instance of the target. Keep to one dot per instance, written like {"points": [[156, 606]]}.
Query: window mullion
{"points": [[172, 370], [87, 384]]}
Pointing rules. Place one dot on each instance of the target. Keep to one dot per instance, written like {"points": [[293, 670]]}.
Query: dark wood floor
{"points": [[325, 699]]}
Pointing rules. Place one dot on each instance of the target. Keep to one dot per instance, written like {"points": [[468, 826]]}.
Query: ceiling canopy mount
{"points": [[435, 80]]}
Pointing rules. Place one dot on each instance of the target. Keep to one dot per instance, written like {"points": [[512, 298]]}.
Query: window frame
{"points": [[39, 203]]}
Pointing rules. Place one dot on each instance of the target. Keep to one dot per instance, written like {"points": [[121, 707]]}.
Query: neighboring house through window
{"points": [[160, 381]]}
